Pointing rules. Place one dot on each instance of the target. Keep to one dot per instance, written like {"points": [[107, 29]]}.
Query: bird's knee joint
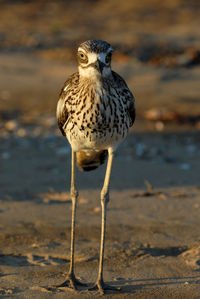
{"points": [[105, 197], [74, 193]]}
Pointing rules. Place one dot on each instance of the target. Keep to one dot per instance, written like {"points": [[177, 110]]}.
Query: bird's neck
{"points": [[93, 75]]}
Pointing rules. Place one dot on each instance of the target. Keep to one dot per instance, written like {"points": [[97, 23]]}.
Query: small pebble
{"points": [[34, 245], [97, 210], [170, 159], [21, 132], [83, 201], [11, 125], [49, 121], [159, 125], [117, 278], [185, 166], [140, 149], [37, 131]]}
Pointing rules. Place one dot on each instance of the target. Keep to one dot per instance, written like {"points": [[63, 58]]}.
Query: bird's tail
{"points": [[88, 160]]}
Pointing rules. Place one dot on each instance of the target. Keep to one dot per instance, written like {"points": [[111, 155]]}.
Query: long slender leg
{"points": [[71, 280], [104, 201]]}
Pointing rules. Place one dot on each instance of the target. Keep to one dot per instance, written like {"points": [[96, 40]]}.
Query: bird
{"points": [[95, 110]]}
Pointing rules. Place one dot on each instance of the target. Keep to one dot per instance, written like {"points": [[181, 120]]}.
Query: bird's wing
{"points": [[62, 112], [132, 111], [128, 95]]}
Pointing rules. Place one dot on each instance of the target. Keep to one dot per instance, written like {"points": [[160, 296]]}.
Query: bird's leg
{"points": [[100, 285], [71, 280]]}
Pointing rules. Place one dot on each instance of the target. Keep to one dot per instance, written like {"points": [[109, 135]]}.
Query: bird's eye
{"points": [[108, 58], [82, 57]]}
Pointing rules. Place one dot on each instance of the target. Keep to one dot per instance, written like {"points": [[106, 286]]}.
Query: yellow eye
{"points": [[108, 58], [82, 57]]}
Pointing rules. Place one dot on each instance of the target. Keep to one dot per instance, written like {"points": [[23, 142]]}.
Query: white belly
{"points": [[85, 140]]}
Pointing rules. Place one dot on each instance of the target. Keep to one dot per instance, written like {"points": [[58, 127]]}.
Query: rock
{"points": [[21, 132], [11, 125], [159, 125], [170, 159]]}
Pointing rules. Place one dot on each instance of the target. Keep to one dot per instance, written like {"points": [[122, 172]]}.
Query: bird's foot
{"points": [[71, 282], [102, 287]]}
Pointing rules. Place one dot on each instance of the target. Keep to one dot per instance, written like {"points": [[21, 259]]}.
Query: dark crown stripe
{"points": [[96, 46]]}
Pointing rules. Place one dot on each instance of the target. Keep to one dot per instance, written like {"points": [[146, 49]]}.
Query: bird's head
{"points": [[94, 59]]}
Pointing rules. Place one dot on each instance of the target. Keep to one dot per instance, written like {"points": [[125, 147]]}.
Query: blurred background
{"points": [[157, 51]]}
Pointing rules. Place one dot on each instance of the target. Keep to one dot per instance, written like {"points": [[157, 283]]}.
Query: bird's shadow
{"points": [[132, 285]]}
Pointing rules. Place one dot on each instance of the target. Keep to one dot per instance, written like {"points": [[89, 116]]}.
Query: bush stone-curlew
{"points": [[95, 111]]}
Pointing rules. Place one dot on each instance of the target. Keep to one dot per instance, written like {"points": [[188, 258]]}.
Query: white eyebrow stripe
{"points": [[82, 50], [92, 57]]}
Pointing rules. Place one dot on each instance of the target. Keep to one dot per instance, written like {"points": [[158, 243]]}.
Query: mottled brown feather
{"points": [[62, 113], [130, 98], [68, 104]]}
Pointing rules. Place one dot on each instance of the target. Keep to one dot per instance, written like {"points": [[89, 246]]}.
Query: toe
{"points": [[102, 287]]}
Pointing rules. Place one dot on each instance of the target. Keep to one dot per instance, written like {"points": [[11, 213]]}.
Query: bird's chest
{"points": [[99, 118]]}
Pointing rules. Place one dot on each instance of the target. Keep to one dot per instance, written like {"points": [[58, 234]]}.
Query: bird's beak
{"points": [[99, 66]]}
